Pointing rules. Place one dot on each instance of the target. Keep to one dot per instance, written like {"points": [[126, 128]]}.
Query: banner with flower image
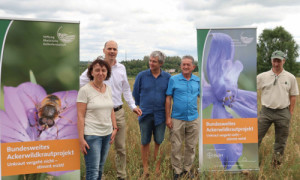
{"points": [[38, 117], [229, 139]]}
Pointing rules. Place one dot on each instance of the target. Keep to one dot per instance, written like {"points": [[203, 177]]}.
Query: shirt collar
{"points": [[149, 72], [116, 65], [273, 74], [193, 77]]}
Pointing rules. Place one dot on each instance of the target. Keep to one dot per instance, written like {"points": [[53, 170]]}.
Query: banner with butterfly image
{"points": [[38, 116]]}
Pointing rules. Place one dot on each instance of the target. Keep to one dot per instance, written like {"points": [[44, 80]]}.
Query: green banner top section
{"points": [[3, 27], [201, 37]]}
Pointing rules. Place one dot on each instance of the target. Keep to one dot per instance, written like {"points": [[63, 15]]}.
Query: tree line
{"points": [[133, 67], [269, 41]]}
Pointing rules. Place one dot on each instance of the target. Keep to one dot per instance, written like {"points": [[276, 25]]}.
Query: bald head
{"points": [[110, 51], [110, 42]]}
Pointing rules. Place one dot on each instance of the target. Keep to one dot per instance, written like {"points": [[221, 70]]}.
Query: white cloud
{"points": [[143, 26]]}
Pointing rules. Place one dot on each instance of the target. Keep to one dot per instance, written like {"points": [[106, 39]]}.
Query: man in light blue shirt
{"points": [[149, 92], [184, 89]]}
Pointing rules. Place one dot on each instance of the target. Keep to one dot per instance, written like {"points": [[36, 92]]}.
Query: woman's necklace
{"points": [[97, 86]]}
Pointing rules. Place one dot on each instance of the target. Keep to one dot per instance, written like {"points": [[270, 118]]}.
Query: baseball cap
{"points": [[278, 55]]}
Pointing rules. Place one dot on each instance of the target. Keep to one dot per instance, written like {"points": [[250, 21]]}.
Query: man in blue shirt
{"points": [[149, 92], [184, 89]]}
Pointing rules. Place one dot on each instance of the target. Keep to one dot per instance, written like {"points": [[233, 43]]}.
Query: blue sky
{"points": [[140, 27]]}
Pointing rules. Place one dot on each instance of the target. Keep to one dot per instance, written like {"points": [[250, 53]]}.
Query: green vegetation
{"points": [[82, 66], [133, 67], [277, 39]]}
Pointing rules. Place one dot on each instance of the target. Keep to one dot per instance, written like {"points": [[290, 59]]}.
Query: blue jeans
{"points": [[96, 155]]}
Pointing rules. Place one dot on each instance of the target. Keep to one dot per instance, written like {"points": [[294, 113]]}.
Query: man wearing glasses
{"points": [[278, 98]]}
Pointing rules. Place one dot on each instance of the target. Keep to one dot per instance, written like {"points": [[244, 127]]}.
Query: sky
{"points": [[140, 27]]}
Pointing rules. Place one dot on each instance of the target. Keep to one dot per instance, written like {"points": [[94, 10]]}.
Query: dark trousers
{"points": [[281, 119]]}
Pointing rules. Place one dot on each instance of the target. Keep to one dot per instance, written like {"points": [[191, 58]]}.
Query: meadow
{"points": [[288, 170]]}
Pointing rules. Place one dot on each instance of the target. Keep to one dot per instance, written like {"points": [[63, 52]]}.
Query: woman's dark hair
{"points": [[102, 63]]}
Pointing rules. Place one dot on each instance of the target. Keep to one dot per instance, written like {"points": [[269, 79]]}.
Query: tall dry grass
{"points": [[290, 169]]}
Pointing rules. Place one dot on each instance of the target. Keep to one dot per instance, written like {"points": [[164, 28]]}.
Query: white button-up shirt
{"points": [[118, 83]]}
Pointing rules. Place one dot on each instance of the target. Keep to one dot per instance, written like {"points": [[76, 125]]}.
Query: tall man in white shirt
{"points": [[119, 85]]}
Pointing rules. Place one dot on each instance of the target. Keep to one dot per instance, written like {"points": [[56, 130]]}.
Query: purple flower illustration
{"points": [[221, 90], [32, 115]]}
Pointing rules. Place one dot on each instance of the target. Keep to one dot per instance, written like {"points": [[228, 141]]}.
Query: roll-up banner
{"points": [[38, 116], [228, 107]]}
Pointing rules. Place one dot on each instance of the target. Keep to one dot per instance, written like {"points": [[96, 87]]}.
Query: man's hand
{"points": [[291, 111], [137, 111], [292, 104], [168, 110], [113, 135], [169, 123]]}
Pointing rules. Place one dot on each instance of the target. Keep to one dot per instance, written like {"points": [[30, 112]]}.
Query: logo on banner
{"points": [[66, 37], [62, 38], [246, 39], [243, 41]]}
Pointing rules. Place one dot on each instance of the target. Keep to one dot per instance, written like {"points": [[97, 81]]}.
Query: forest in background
{"points": [[133, 67]]}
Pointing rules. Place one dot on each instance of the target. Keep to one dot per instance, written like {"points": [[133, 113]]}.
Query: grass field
{"points": [[290, 169]]}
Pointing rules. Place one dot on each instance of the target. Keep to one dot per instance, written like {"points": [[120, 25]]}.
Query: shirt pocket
{"points": [[195, 88], [286, 85]]}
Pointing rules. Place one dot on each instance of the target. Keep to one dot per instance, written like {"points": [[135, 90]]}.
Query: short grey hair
{"points": [[188, 57], [161, 56]]}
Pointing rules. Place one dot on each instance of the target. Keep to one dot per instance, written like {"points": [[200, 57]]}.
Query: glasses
{"points": [[275, 81]]}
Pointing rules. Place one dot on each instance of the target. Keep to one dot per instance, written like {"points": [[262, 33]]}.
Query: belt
{"points": [[275, 109], [117, 108]]}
